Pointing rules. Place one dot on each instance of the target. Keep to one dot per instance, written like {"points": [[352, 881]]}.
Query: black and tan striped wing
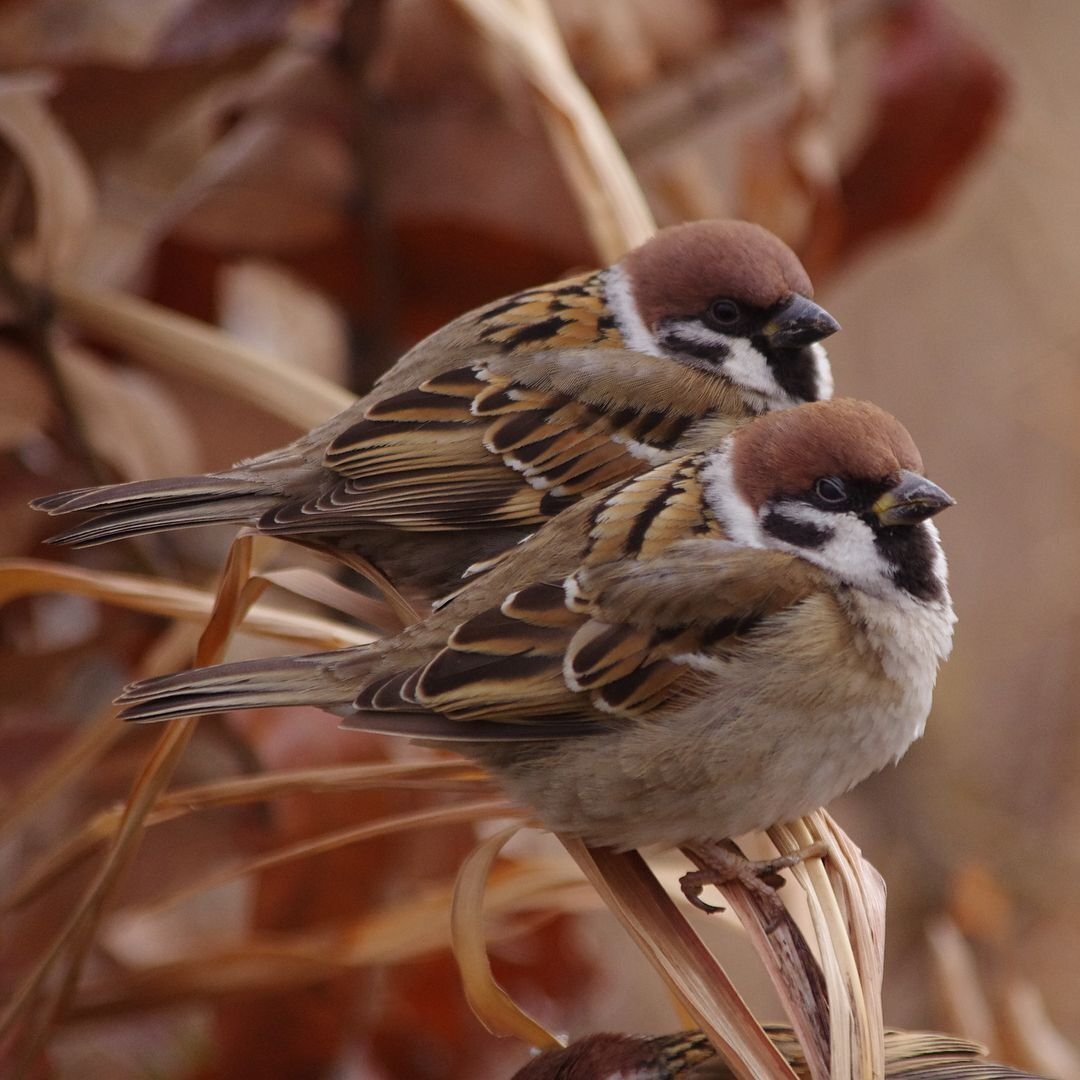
{"points": [[481, 447], [655, 626], [614, 643]]}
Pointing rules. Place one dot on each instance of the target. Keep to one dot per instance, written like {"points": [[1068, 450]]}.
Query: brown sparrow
{"points": [[723, 643], [509, 414], [688, 1055]]}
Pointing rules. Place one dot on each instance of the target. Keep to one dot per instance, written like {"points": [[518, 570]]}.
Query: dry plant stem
{"points": [[80, 752], [490, 1003], [1030, 1037], [400, 606], [790, 964], [457, 814], [628, 887], [361, 23], [411, 927], [846, 904], [86, 747], [181, 345], [34, 1002], [964, 1005], [22, 577], [613, 207], [312, 585], [64, 857]]}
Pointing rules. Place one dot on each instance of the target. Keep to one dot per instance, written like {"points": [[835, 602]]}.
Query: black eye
{"points": [[831, 490], [724, 312]]}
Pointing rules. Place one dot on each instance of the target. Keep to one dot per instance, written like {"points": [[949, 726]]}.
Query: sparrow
{"points": [[723, 643], [688, 1055], [509, 414]]}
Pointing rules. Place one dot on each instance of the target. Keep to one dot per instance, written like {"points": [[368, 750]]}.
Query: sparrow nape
{"points": [[511, 413], [723, 643]]}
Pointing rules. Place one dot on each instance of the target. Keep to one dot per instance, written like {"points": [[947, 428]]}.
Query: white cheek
{"points": [[737, 516], [620, 299], [748, 368], [823, 371], [850, 552], [941, 567]]}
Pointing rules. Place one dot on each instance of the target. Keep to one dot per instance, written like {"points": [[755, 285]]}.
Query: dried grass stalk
{"points": [[175, 343], [494, 1008], [851, 898], [612, 204], [24, 577], [414, 926], [637, 900], [47, 990]]}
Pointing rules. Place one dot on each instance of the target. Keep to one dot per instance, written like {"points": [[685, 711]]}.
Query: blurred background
{"points": [[326, 182]]}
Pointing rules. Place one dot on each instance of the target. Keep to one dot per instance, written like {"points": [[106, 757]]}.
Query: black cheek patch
{"points": [[909, 550], [802, 534], [795, 370]]}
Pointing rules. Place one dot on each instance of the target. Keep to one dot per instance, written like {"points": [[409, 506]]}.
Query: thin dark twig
{"points": [[36, 315], [361, 22]]}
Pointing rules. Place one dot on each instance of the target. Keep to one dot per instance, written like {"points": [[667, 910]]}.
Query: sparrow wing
{"points": [[505, 443], [615, 642], [650, 640]]}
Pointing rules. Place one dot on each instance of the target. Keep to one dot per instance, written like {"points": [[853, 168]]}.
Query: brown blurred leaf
{"points": [[127, 33], [939, 96], [265, 306], [202, 28], [26, 404], [131, 422]]}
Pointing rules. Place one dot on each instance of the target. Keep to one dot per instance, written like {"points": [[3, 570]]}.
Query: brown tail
{"points": [[148, 506], [319, 679]]}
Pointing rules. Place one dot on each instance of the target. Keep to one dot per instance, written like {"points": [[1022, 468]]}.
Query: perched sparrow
{"points": [[725, 642], [688, 1055], [509, 414]]}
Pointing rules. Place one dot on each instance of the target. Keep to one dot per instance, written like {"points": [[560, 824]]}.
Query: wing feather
{"points": [[496, 445]]}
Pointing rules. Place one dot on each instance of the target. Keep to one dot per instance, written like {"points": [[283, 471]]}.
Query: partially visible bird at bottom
{"points": [[688, 1055]]}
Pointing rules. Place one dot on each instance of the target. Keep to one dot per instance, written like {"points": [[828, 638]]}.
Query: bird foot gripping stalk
{"points": [[721, 863]]}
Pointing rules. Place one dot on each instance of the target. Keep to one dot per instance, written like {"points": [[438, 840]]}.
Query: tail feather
{"points": [[317, 679], [148, 506]]}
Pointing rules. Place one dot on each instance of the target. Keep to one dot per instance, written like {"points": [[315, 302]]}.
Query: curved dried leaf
{"points": [[63, 190], [491, 1004], [612, 203]]}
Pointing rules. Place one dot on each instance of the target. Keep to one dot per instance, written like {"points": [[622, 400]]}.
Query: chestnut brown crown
{"points": [[683, 268], [785, 452]]}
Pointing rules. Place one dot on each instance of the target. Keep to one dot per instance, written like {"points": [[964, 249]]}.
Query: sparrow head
{"points": [[839, 483], [727, 297]]}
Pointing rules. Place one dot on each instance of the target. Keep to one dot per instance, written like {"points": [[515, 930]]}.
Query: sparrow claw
{"points": [[692, 883], [721, 863]]}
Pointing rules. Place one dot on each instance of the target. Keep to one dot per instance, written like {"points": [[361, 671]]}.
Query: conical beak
{"points": [[800, 323], [911, 500]]}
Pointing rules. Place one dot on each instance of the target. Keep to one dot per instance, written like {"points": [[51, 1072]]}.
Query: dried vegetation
{"points": [[217, 222]]}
